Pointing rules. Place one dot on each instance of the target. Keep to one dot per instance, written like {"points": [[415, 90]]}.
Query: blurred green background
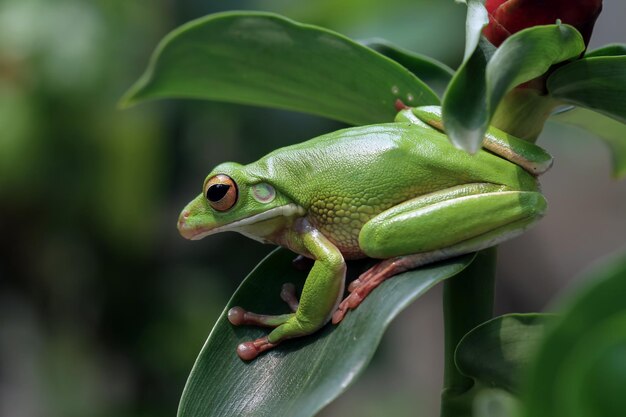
{"points": [[103, 307]]}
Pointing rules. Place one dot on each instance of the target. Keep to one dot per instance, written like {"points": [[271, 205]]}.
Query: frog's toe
{"points": [[349, 303], [239, 317], [338, 315], [354, 284], [366, 276], [250, 350]]}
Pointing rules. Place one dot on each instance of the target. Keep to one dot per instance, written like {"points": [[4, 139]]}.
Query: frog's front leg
{"points": [[438, 226], [321, 294]]}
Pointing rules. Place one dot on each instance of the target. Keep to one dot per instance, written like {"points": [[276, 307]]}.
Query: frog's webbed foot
{"points": [[239, 316], [370, 279]]}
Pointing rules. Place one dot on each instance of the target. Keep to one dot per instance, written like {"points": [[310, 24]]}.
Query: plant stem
{"points": [[467, 302]]}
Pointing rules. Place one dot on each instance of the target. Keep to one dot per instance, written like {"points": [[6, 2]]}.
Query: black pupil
{"points": [[216, 192]]}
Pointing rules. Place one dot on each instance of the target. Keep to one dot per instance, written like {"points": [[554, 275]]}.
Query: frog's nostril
{"points": [[186, 213]]}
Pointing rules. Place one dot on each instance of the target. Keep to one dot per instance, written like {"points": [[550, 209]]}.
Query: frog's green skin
{"points": [[398, 192]]}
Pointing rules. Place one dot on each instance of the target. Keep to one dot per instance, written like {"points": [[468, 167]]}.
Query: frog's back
{"points": [[345, 178]]}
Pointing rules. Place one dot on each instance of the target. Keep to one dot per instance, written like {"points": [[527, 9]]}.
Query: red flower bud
{"points": [[509, 16]]}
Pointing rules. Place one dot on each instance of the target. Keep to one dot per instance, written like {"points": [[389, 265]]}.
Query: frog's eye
{"points": [[221, 191]]}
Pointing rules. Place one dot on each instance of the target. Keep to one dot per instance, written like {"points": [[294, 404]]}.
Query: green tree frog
{"points": [[398, 192]]}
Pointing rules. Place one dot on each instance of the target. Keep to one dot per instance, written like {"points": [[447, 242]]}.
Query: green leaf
{"points": [[475, 57], [476, 19], [466, 91], [434, 73], [612, 132], [597, 83], [613, 49], [495, 353], [302, 375], [268, 60], [478, 87], [580, 368]]}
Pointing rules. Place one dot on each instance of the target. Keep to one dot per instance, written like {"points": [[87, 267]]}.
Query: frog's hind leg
{"points": [[439, 226], [373, 277]]}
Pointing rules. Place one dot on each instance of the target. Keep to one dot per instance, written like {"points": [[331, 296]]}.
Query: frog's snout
{"points": [[183, 227]]}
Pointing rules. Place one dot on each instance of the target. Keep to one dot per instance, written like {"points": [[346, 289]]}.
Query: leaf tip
{"points": [[469, 141], [134, 94], [125, 102]]}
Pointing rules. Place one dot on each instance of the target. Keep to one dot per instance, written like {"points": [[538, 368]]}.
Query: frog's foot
{"points": [[238, 317], [250, 350], [370, 279]]}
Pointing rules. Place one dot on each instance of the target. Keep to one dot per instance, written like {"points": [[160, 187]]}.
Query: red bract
{"points": [[509, 16]]}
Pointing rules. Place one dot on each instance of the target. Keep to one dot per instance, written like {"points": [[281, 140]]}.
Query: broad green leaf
{"points": [[580, 368], [300, 376], [477, 18], [434, 73], [478, 87], [475, 58], [597, 83], [613, 49], [612, 132], [495, 353], [268, 60], [467, 90]]}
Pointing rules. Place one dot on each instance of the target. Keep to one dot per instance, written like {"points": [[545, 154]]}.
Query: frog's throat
{"points": [[287, 210]]}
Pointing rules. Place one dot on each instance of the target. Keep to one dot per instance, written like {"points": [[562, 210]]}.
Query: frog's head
{"points": [[232, 199]]}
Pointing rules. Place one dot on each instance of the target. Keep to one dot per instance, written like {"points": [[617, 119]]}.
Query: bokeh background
{"points": [[103, 307]]}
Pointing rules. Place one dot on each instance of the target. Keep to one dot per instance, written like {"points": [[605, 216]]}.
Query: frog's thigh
{"points": [[469, 217]]}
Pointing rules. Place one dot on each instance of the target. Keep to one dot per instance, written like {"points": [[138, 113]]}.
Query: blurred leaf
{"points": [[478, 87], [268, 60], [597, 83], [494, 353], [612, 132], [20, 154], [580, 368], [302, 375], [613, 49], [495, 403], [434, 73]]}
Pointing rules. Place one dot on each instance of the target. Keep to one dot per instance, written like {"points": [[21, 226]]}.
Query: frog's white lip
{"points": [[285, 211]]}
